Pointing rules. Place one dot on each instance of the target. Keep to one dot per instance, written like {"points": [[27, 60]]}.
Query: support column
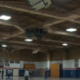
{"points": [[48, 64]]}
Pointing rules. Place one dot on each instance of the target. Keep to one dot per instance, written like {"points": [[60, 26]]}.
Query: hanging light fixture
{"points": [[29, 40], [4, 45], [71, 29], [5, 17]]}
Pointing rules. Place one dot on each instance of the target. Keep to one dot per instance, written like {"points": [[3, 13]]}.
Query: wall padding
{"points": [[15, 72]]}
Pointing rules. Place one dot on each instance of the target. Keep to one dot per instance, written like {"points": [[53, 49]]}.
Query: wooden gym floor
{"points": [[22, 78]]}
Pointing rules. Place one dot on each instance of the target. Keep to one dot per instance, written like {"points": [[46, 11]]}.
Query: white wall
{"points": [[21, 64], [53, 62], [37, 64], [78, 62], [28, 62], [14, 65], [43, 65], [68, 63], [46, 64]]}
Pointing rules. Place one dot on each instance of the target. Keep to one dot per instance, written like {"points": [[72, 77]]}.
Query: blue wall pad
{"points": [[78, 73], [69, 73], [21, 72], [11, 72], [48, 71]]}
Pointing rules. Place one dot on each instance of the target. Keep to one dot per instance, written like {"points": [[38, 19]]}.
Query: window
{"points": [[11, 61], [17, 62]]}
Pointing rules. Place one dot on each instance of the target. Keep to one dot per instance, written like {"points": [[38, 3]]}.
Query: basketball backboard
{"points": [[38, 4]]}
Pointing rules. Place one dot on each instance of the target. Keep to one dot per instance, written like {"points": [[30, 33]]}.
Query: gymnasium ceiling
{"points": [[62, 14]]}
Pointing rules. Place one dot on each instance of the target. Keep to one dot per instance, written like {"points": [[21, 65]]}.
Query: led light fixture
{"points": [[65, 44], [4, 17], [71, 29], [28, 40], [4, 45]]}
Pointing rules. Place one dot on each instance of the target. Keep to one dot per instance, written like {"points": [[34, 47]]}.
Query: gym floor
{"points": [[22, 78]]}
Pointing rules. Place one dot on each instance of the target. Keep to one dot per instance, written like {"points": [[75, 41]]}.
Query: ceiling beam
{"points": [[11, 36], [33, 44], [47, 39], [63, 33], [10, 5], [49, 31], [25, 47], [46, 25], [70, 18], [13, 6], [22, 47], [51, 40], [18, 47], [11, 24], [52, 23], [23, 30]]}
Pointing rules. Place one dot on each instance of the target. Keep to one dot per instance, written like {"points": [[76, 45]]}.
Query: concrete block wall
{"points": [[21, 64], [68, 67], [17, 68], [68, 63]]}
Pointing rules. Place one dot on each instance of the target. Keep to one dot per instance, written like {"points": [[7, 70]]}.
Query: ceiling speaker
{"points": [[38, 33], [29, 33]]}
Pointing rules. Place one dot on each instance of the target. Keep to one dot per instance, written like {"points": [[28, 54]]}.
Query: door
{"points": [[55, 70]]}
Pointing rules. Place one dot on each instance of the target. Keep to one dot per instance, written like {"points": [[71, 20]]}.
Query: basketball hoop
{"points": [[4, 61], [36, 51]]}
